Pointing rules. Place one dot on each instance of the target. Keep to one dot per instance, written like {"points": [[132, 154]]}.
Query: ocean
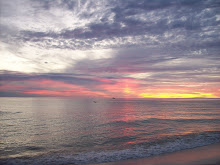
{"points": [[93, 130]]}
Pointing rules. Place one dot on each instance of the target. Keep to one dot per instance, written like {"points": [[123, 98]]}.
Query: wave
{"points": [[182, 120], [175, 143], [157, 120], [7, 112]]}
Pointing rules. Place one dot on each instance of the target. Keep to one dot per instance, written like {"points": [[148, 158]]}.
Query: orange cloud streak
{"points": [[113, 87]]}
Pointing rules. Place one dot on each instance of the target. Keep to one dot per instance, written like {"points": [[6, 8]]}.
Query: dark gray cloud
{"points": [[16, 84], [77, 79], [160, 65], [193, 21]]}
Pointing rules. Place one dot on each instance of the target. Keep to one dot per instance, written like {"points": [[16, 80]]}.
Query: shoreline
{"points": [[204, 155]]}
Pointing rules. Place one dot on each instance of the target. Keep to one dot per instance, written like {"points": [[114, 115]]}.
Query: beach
{"points": [[205, 155]]}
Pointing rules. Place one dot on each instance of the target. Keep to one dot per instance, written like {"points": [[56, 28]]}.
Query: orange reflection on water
{"points": [[126, 116]]}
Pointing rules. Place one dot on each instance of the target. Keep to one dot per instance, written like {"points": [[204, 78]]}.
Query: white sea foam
{"points": [[139, 151]]}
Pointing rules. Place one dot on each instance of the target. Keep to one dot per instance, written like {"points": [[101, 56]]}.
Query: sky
{"points": [[110, 48]]}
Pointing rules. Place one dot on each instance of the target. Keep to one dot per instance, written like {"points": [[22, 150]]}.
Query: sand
{"points": [[206, 155]]}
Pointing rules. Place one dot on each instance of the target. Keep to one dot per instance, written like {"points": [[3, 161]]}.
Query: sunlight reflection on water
{"points": [[31, 126]]}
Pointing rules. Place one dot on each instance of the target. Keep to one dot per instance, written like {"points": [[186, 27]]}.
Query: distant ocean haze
{"points": [[82, 131]]}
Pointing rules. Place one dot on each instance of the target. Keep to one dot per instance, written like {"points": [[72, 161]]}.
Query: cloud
{"points": [[96, 45], [156, 64], [118, 20], [78, 79], [76, 85], [50, 84]]}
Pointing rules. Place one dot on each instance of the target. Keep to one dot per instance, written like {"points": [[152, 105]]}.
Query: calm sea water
{"points": [[82, 131]]}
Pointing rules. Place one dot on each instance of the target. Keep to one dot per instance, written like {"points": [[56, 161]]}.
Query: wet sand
{"points": [[206, 155]]}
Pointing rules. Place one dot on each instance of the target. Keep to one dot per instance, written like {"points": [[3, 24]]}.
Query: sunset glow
{"points": [[106, 88], [177, 95]]}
